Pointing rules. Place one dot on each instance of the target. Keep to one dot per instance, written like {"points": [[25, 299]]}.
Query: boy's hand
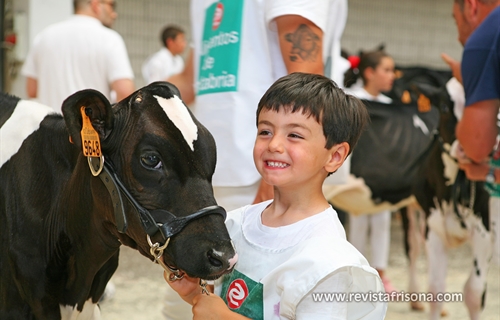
{"points": [[212, 307], [187, 287]]}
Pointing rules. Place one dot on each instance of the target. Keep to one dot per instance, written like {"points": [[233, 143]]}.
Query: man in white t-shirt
{"points": [[167, 61], [79, 53]]}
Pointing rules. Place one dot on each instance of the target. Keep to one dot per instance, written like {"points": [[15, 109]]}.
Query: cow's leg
{"points": [[475, 287], [414, 240], [437, 257], [103, 277]]}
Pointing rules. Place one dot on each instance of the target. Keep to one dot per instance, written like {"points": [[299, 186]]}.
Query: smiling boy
{"points": [[294, 248]]}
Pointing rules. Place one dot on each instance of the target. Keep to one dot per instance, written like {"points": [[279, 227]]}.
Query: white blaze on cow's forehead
{"points": [[179, 115], [24, 121]]}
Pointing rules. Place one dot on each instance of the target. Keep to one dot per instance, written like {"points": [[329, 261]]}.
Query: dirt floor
{"points": [[140, 285]]}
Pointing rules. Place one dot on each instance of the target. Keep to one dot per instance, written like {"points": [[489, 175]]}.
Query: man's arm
{"points": [[477, 130], [31, 87], [123, 88], [184, 81], [301, 43]]}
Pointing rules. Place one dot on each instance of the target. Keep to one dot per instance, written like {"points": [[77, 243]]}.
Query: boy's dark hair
{"points": [[170, 32], [342, 116]]}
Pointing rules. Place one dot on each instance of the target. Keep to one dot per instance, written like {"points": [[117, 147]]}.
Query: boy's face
{"points": [[290, 149]]}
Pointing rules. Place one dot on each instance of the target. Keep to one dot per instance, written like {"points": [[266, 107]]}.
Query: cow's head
{"points": [[164, 158], [440, 97]]}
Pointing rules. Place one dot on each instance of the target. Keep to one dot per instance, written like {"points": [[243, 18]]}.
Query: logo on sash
{"points": [[236, 293], [219, 12], [243, 295]]}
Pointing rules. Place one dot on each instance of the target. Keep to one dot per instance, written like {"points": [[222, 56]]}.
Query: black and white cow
{"points": [[61, 225], [456, 210], [389, 154], [401, 158]]}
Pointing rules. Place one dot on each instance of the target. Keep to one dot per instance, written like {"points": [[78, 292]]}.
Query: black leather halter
{"points": [[152, 222]]}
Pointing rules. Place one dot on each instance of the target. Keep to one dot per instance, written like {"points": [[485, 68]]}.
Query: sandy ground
{"points": [[140, 285]]}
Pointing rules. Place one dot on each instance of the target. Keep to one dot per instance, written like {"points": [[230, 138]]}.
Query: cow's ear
{"points": [[426, 89], [164, 89], [96, 107], [174, 89]]}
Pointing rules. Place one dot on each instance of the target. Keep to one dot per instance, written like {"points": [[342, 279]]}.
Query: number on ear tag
{"points": [[90, 138]]}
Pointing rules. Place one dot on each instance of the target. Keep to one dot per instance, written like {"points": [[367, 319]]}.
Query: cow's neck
{"points": [[87, 244]]}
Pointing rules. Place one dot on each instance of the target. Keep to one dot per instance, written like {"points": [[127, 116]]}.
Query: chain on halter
{"points": [[203, 285], [173, 274]]}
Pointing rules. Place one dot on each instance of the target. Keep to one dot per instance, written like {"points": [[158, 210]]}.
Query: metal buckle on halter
{"points": [[157, 252], [96, 171], [174, 274]]}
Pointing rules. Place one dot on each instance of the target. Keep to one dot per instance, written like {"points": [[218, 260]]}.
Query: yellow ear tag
{"points": [[90, 138], [406, 98], [424, 104]]}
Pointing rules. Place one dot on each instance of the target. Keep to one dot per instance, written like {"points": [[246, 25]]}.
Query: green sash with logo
{"points": [[243, 295]]}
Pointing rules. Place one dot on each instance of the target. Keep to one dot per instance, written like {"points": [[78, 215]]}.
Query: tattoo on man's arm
{"points": [[305, 44]]}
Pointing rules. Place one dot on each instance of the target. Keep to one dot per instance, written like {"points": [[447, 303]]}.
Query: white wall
{"points": [[30, 17], [45, 12]]}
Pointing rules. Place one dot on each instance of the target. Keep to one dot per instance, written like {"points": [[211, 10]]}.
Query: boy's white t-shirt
{"points": [[279, 269]]}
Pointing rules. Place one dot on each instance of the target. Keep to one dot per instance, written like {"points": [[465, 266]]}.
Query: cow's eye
{"points": [[151, 161]]}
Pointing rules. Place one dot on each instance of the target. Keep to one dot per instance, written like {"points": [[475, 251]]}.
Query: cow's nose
{"points": [[220, 260], [215, 258]]}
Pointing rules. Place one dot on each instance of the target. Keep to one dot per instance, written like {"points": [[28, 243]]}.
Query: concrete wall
{"points": [[140, 23], [415, 32]]}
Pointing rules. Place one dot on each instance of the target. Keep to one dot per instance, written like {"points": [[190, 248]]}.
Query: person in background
{"points": [[376, 69], [79, 53], [294, 246], [168, 60], [478, 25]]}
